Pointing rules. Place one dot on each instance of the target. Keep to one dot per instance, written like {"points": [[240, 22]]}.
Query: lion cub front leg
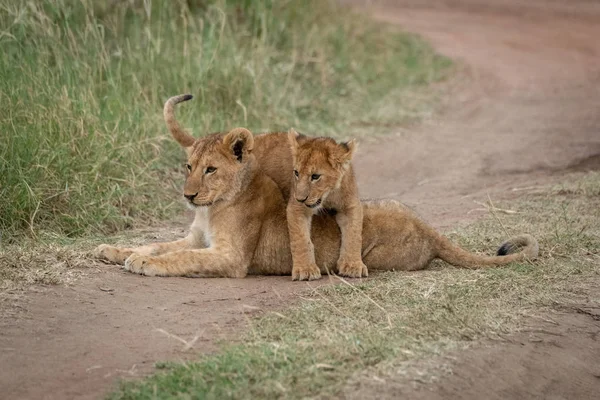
{"points": [[350, 262], [206, 263], [304, 266], [112, 254], [119, 255]]}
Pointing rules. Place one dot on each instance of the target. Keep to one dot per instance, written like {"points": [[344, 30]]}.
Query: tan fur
{"points": [[240, 226], [324, 182]]}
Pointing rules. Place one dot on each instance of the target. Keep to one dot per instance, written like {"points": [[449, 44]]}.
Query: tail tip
{"points": [[505, 249], [187, 97]]}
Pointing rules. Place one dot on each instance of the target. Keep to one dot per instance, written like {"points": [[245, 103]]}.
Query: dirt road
{"points": [[527, 110]]}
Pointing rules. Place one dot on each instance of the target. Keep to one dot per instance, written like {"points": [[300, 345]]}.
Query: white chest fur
{"points": [[201, 227]]}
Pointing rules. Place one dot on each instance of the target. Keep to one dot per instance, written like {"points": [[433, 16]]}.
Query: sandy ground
{"points": [[526, 110]]}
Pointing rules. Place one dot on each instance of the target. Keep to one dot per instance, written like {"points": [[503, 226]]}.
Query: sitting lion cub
{"points": [[324, 180]]}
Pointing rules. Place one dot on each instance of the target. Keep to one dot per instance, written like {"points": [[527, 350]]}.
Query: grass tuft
{"points": [[82, 84]]}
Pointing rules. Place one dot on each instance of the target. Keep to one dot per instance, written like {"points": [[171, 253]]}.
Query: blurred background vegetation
{"points": [[83, 147]]}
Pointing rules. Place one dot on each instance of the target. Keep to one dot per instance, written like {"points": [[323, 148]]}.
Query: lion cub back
{"points": [[274, 156]]}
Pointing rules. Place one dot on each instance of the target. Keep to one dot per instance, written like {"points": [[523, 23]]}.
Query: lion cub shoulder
{"points": [[324, 182]]}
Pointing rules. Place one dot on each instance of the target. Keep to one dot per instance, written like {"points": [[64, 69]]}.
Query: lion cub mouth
{"points": [[315, 204], [198, 205]]}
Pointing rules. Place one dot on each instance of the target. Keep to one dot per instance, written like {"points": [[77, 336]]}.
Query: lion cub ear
{"points": [[345, 152], [239, 142], [293, 139]]}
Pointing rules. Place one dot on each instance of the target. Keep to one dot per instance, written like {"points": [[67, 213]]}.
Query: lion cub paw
{"points": [[144, 265], [110, 253], [306, 273], [352, 269]]}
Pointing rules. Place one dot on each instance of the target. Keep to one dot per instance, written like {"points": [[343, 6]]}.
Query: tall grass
{"points": [[83, 147]]}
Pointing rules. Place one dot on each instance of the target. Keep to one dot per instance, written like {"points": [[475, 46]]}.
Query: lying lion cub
{"points": [[324, 180], [240, 226]]}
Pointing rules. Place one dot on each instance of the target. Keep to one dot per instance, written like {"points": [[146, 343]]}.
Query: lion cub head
{"points": [[218, 166], [319, 166]]}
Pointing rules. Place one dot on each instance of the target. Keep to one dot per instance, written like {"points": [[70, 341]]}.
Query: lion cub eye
{"points": [[296, 173], [189, 167], [315, 177], [209, 170]]}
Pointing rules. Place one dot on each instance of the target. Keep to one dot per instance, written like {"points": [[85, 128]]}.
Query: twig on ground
{"points": [[188, 344], [488, 207]]}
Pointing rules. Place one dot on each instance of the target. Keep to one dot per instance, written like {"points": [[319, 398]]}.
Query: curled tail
{"points": [[456, 256], [184, 138]]}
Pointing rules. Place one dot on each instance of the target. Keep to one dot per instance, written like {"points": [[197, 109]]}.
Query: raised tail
{"points": [[184, 138], [526, 244]]}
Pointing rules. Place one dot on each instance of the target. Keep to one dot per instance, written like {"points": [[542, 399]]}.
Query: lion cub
{"points": [[324, 181]]}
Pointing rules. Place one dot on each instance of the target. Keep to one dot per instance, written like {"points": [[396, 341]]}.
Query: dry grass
{"points": [[46, 265], [56, 260], [312, 349]]}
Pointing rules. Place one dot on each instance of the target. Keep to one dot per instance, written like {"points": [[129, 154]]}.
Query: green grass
{"points": [[315, 348], [82, 83]]}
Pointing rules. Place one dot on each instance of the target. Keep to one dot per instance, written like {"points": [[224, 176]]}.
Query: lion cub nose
{"points": [[301, 200], [190, 197]]}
